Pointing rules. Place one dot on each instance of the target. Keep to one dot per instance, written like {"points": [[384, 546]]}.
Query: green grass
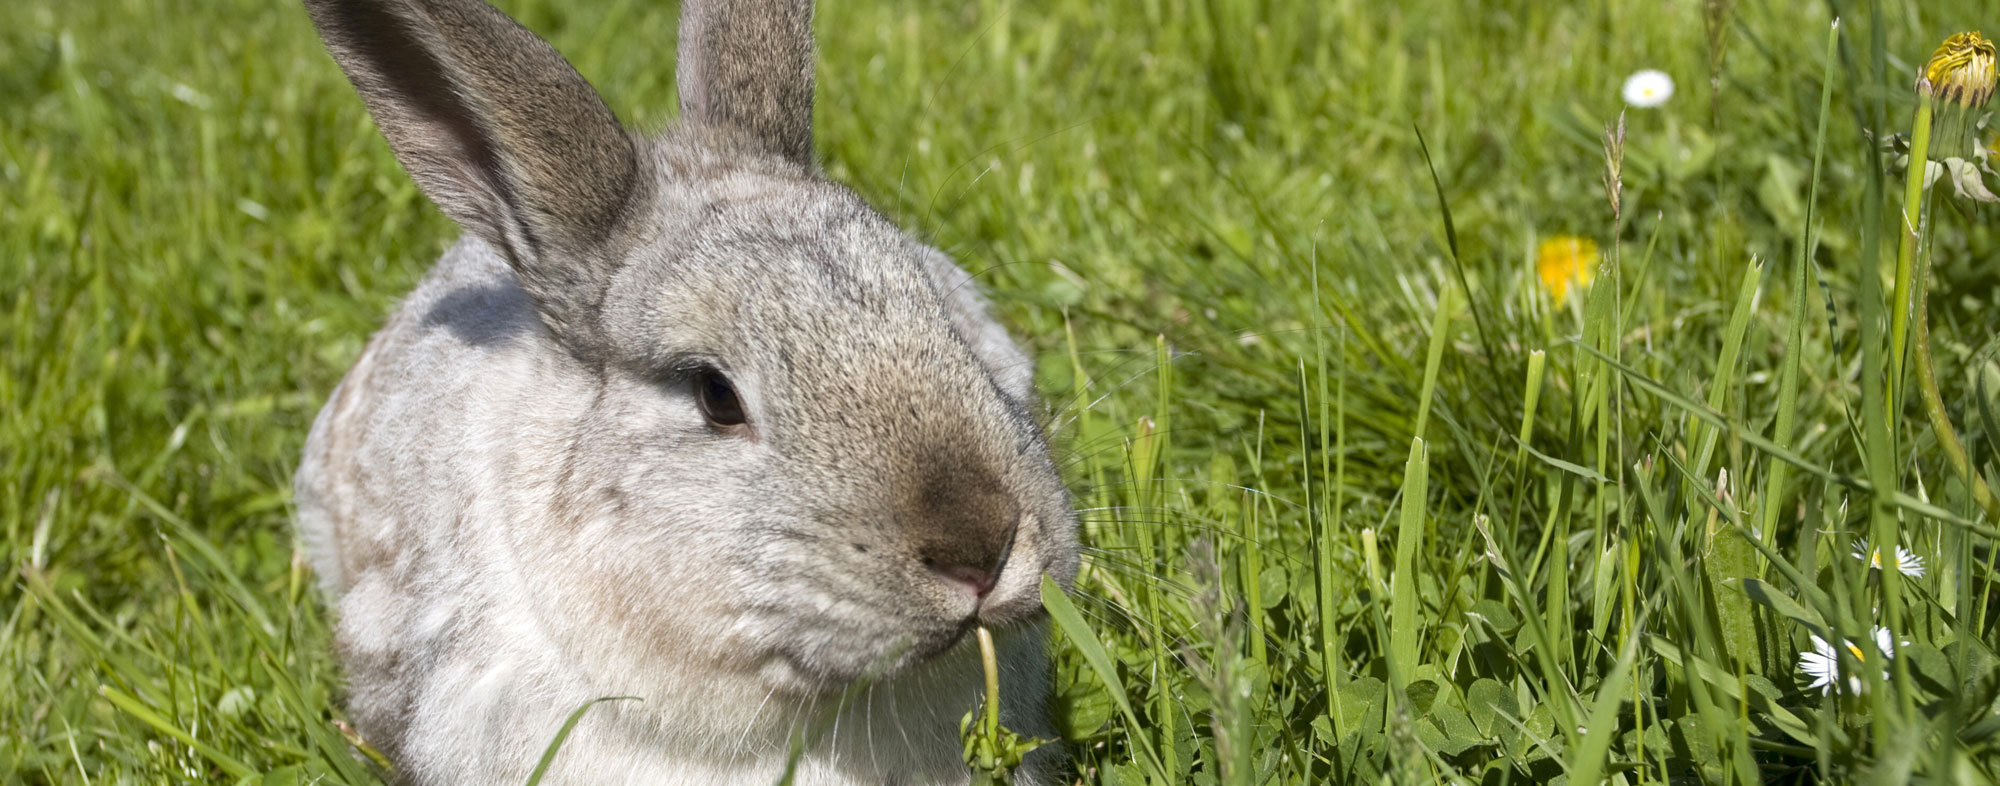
{"points": [[1316, 550]]}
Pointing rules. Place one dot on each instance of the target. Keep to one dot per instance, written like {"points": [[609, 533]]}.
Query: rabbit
{"points": [[678, 421]]}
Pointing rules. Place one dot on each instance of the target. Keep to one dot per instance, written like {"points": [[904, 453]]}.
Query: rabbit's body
{"points": [[715, 436]]}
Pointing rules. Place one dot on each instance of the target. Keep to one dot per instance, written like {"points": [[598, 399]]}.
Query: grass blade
{"points": [[1587, 761], [1080, 635], [569, 724], [145, 714], [1403, 619]]}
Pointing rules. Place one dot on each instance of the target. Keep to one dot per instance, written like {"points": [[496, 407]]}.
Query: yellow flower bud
{"points": [[1961, 71]]}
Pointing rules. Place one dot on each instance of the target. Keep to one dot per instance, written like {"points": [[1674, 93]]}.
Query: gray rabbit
{"points": [[678, 419]]}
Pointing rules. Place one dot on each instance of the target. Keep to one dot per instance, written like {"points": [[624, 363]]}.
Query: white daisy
{"points": [[1907, 561], [1824, 664], [1648, 88]]}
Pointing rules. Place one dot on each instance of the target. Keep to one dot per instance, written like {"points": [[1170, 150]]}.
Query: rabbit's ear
{"points": [[500, 132], [748, 65]]}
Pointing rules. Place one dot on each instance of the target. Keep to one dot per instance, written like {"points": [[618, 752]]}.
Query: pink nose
{"points": [[979, 580]]}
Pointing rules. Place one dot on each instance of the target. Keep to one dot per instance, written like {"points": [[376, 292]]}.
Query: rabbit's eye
{"points": [[718, 399]]}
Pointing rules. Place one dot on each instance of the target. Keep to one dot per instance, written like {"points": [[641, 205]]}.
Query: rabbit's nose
{"points": [[961, 520], [978, 579]]}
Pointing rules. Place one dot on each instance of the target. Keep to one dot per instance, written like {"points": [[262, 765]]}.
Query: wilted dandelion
{"points": [[1563, 260], [1961, 71], [1823, 663], [1956, 82], [1907, 561], [1648, 88], [1959, 78]]}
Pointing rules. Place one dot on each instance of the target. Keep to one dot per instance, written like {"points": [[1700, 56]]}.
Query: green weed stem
{"points": [[1913, 195]]}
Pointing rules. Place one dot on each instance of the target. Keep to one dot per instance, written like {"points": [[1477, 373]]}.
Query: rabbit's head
{"points": [[766, 433]]}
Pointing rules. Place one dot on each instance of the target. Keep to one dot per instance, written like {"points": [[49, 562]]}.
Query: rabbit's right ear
{"points": [[503, 134], [747, 65]]}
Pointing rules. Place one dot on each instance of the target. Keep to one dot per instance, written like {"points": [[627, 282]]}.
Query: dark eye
{"points": [[717, 399]]}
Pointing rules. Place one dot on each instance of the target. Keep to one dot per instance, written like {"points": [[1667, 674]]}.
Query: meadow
{"points": [[1375, 486]]}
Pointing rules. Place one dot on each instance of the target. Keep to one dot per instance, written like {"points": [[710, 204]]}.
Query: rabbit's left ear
{"points": [[500, 132]]}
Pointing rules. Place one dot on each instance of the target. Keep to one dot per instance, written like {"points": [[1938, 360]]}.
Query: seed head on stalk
{"points": [[1614, 167]]}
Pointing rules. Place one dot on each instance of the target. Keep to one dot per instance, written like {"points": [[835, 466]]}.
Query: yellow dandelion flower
{"points": [[1961, 71], [1564, 260]]}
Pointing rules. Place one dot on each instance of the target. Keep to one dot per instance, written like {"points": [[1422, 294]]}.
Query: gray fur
{"points": [[518, 507]]}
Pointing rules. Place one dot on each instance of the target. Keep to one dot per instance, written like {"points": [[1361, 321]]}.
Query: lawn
{"points": [[1366, 497]]}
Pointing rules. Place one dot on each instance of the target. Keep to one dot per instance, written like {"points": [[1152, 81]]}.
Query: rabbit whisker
{"points": [[743, 744]]}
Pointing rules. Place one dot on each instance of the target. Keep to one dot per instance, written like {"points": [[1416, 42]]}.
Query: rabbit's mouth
{"points": [[1009, 613], [827, 662], [939, 645], [1006, 612]]}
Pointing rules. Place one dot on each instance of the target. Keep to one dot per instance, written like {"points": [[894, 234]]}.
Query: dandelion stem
{"points": [[1913, 194], [1947, 437]]}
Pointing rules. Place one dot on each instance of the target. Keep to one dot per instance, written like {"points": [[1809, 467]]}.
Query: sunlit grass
{"points": [[1363, 499]]}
